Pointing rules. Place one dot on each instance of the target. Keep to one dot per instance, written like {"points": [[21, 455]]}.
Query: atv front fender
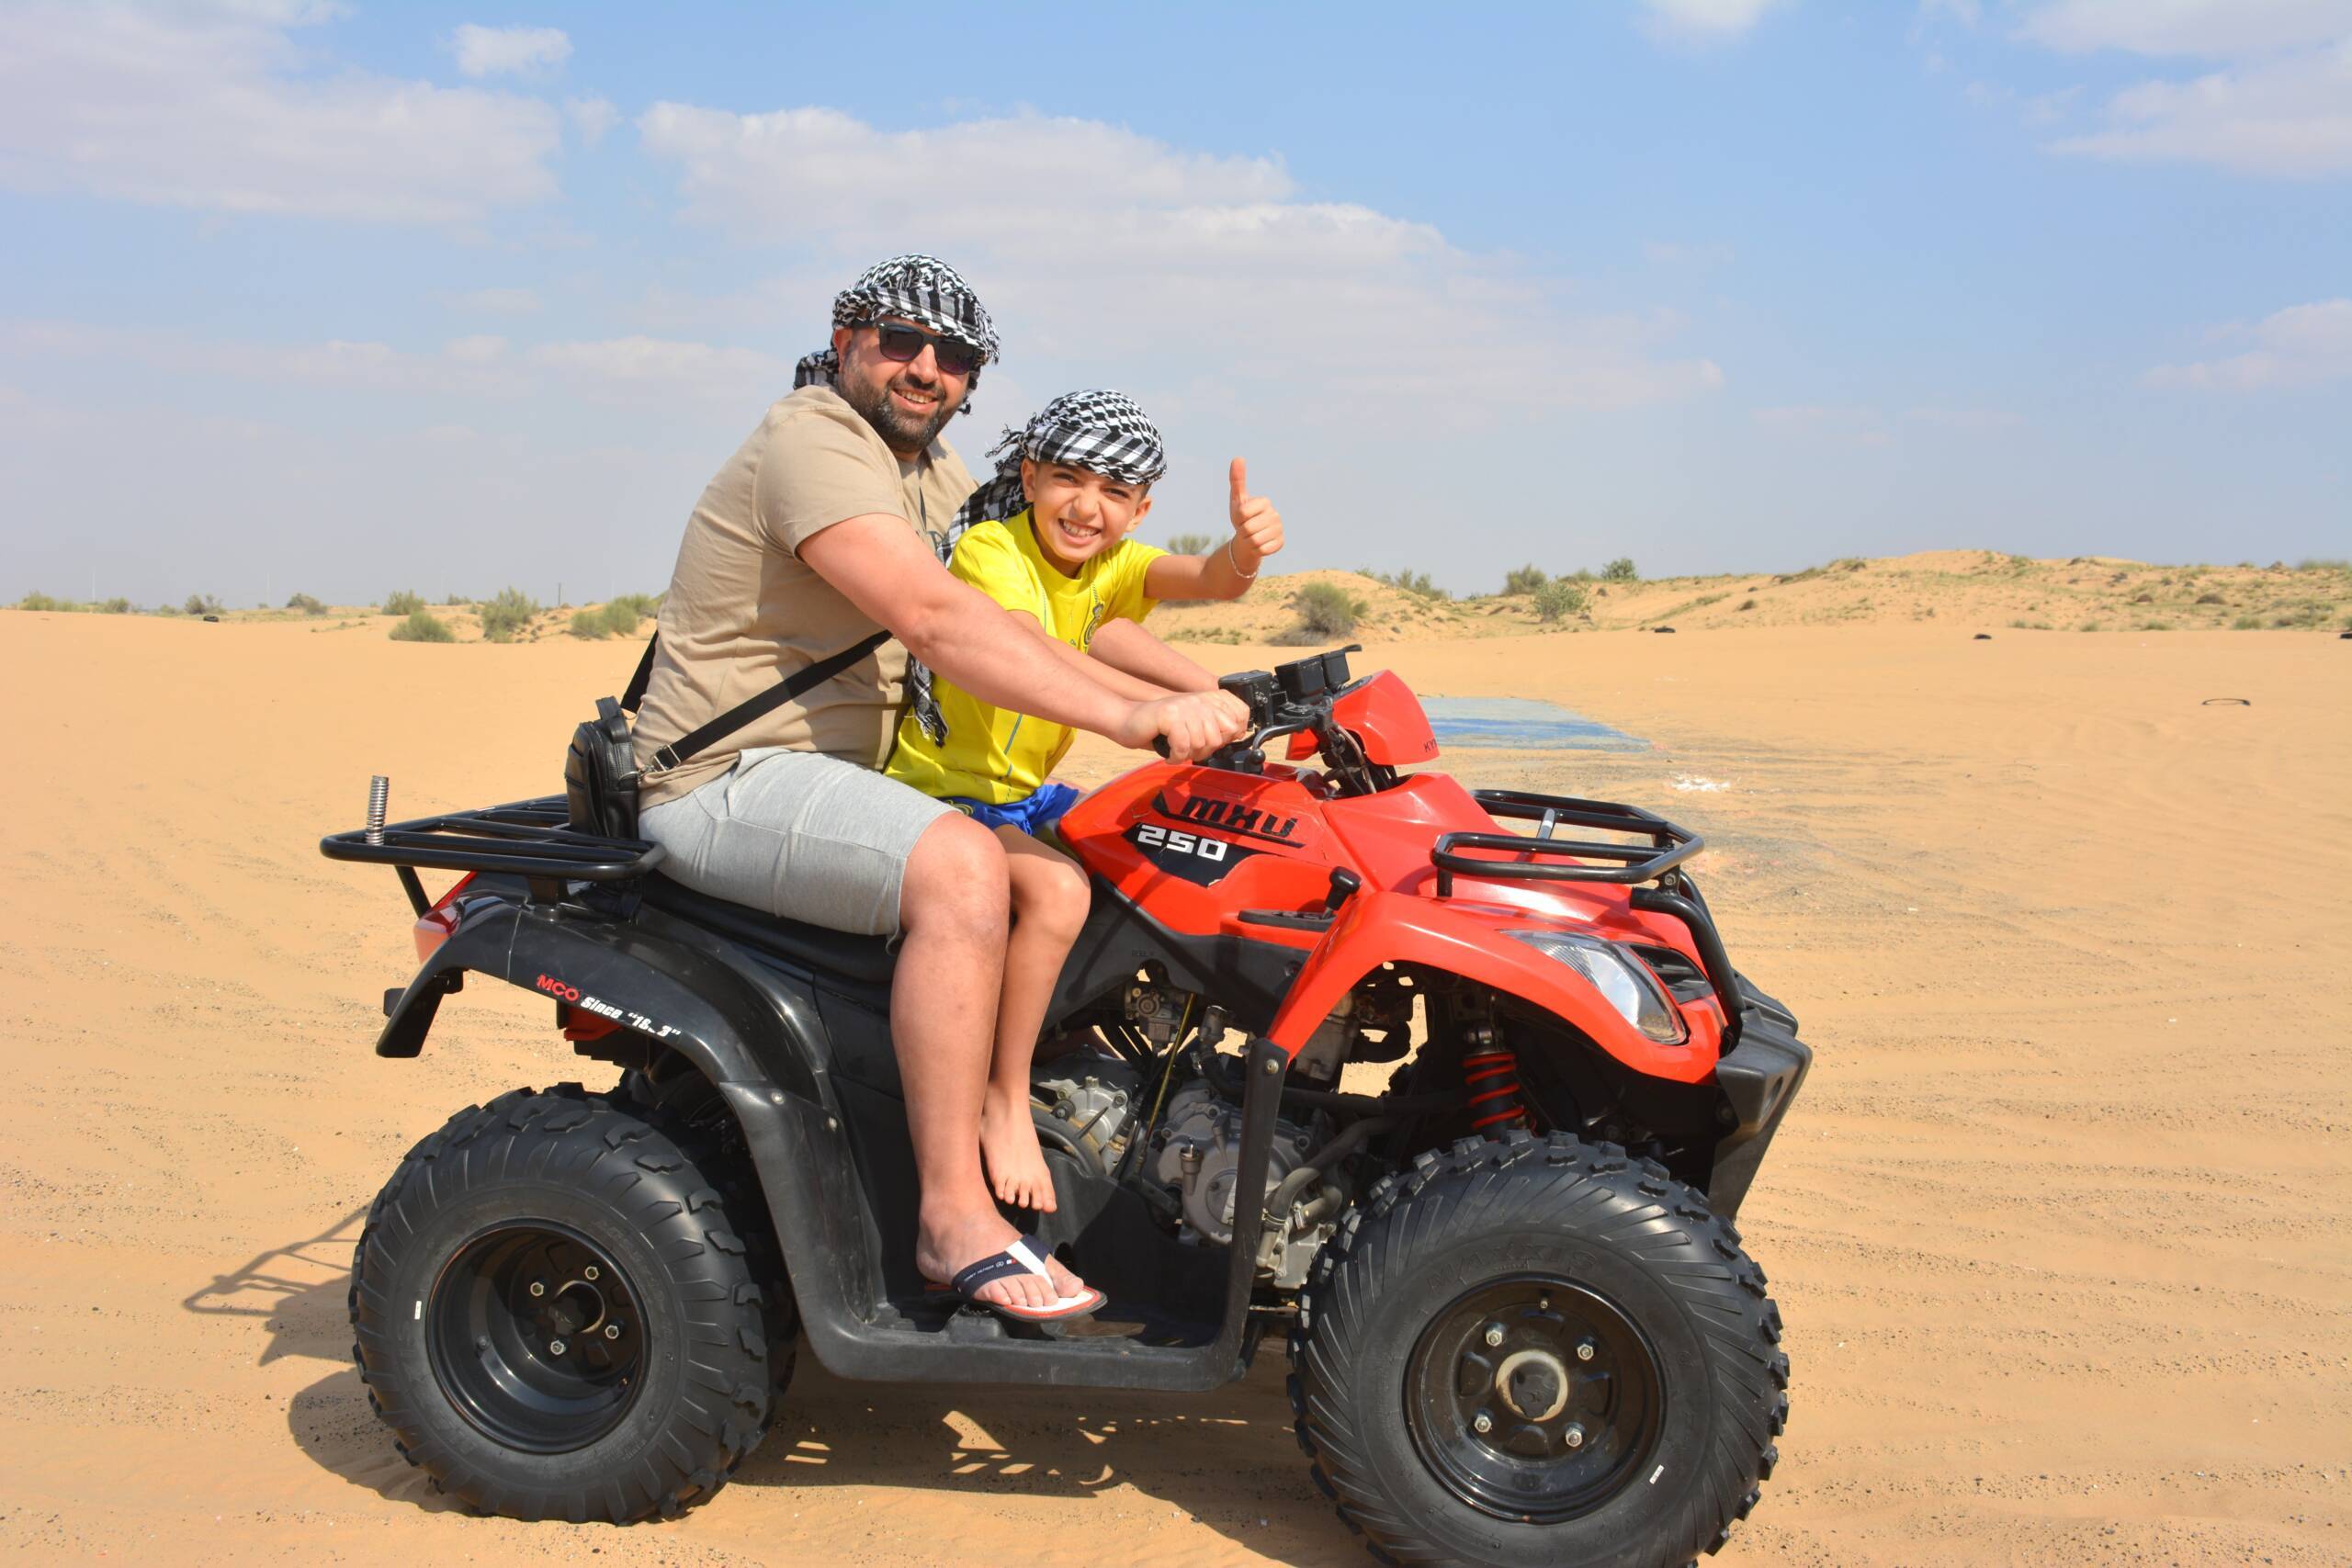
{"points": [[689, 1001], [1375, 927]]}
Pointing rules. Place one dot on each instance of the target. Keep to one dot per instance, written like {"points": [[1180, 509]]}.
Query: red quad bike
{"points": [[1522, 1326]]}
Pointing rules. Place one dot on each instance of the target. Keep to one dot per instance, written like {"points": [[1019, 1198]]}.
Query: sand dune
{"points": [[2059, 1228]]}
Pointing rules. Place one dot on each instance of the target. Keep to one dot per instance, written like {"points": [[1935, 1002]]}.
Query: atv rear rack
{"points": [[1668, 847], [528, 839]]}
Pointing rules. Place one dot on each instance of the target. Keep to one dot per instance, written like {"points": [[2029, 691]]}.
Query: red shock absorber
{"points": [[1492, 1078]]}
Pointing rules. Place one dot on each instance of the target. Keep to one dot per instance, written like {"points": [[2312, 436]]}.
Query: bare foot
{"points": [[1016, 1165], [946, 1247]]}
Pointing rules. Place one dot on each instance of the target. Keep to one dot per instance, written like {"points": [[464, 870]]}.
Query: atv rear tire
{"points": [[554, 1313], [1538, 1351]]}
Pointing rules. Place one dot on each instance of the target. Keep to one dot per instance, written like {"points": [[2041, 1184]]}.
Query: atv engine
{"points": [[1200, 1158]]}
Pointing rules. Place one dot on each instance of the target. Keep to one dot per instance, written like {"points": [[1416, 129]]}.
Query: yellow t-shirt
{"points": [[991, 755]]}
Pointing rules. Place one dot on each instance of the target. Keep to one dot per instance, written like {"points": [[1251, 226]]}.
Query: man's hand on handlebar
{"points": [[1187, 726]]}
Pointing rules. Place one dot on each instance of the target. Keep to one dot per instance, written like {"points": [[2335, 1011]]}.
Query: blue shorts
{"points": [[1040, 809]]}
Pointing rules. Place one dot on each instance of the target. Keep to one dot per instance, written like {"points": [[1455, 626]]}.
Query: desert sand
{"points": [[2061, 1226]]}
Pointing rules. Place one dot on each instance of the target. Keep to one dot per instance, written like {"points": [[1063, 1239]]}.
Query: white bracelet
{"points": [[1235, 561]]}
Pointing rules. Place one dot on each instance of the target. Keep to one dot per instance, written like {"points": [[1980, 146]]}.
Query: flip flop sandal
{"points": [[1018, 1259]]}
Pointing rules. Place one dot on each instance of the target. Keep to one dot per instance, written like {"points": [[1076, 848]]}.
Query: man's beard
{"points": [[898, 432]]}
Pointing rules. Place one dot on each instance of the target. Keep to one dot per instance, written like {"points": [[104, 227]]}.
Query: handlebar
{"points": [[1291, 698]]}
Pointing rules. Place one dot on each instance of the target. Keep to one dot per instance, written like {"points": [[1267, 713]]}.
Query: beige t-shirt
{"points": [[743, 613]]}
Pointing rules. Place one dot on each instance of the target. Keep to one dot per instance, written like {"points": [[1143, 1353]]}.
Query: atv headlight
{"points": [[1623, 980]]}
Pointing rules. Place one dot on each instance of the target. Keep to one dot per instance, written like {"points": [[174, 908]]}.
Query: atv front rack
{"points": [[528, 839], [1557, 860]]}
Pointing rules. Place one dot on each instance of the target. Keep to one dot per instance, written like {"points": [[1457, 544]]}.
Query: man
{"points": [[814, 536]]}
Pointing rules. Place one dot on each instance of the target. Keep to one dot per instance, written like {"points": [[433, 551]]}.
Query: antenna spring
{"points": [[379, 791]]}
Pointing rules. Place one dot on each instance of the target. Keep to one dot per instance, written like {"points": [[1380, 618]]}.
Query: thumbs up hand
{"points": [[1256, 526]]}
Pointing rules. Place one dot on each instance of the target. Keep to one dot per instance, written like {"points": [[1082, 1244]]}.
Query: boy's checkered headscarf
{"points": [[914, 288], [1101, 431]]}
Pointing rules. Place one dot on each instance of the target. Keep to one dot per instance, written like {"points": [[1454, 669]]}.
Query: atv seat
{"points": [[867, 958]]}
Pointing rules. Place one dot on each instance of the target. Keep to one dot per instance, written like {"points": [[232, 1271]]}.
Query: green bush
{"points": [[1750, 604], [1417, 583], [306, 604], [1326, 612], [201, 604], [1558, 599], [1621, 570], [1190, 544], [424, 626], [115, 606], [405, 602], [39, 601], [504, 619], [617, 618], [1524, 580]]}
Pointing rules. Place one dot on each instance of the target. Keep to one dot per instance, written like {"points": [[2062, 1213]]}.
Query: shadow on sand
{"points": [[1226, 1459]]}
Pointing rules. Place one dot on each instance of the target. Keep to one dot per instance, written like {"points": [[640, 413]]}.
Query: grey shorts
{"points": [[798, 834]]}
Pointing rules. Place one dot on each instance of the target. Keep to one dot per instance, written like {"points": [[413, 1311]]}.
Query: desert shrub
{"points": [[1748, 603], [2323, 563], [1326, 612], [1190, 545], [451, 601], [2089, 626], [2246, 624], [200, 605], [1417, 583], [616, 618], [405, 602], [306, 604], [1559, 598], [1621, 570], [424, 626], [2211, 599], [504, 619], [2155, 625], [39, 601], [1524, 580], [115, 606]]}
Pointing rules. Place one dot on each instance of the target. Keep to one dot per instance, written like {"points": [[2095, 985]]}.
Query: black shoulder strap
{"points": [[767, 701], [636, 693]]}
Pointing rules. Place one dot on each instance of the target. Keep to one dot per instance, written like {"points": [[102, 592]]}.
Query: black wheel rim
{"points": [[1533, 1398], [534, 1336]]}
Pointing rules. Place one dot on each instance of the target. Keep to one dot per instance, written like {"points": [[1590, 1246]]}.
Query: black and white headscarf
{"points": [[1102, 431], [915, 288]]}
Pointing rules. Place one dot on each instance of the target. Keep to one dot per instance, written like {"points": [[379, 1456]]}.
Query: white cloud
{"points": [[628, 369], [1182, 258], [2209, 28], [1852, 427], [2304, 345], [1702, 21], [2287, 117], [499, 301], [590, 118], [212, 107], [1964, 421], [632, 365], [491, 51]]}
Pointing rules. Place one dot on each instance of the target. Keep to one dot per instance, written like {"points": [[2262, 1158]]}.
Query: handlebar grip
{"points": [[1159, 744]]}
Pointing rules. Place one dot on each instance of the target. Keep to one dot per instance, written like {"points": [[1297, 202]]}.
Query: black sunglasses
{"points": [[901, 344]]}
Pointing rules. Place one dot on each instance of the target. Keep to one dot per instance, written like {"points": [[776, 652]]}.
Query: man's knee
{"points": [[956, 879]]}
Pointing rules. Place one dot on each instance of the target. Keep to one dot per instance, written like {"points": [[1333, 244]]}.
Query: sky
{"points": [[341, 299]]}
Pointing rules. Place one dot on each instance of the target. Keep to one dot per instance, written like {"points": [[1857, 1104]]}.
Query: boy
{"points": [[1047, 539]]}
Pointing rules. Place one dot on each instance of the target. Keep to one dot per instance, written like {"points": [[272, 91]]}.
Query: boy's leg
{"points": [[1049, 902]]}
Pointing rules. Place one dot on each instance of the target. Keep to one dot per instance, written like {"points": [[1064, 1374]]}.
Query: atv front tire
{"points": [[1538, 1351], [554, 1313]]}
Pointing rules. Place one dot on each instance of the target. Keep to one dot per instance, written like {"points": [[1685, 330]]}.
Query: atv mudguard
{"points": [[662, 986], [1375, 927]]}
